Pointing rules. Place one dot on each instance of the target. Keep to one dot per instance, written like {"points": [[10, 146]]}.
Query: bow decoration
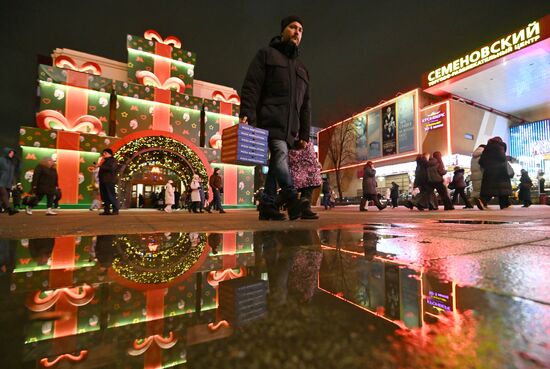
{"points": [[75, 296], [164, 343], [51, 119], [220, 96], [150, 79], [67, 62], [153, 35]]}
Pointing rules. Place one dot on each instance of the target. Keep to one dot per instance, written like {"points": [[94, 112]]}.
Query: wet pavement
{"points": [[395, 290]]}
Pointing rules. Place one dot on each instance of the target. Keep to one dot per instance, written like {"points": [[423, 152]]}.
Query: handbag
{"points": [[509, 170]]}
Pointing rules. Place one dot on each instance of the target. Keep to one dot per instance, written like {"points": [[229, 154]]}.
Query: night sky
{"points": [[357, 52]]}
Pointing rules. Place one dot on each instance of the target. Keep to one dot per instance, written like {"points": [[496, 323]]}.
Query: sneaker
{"points": [[12, 211], [50, 212], [28, 210]]}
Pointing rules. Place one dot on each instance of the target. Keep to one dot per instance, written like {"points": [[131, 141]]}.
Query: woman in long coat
{"points": [[369, 188], [460, 185], [525, 185], [476, 176], [195, 193], [436, 171], [422, 200], [169, 198], [496, 180]]}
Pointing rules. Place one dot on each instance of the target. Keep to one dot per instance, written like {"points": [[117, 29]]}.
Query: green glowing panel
{"points": [[148, 61], [62, 98]]}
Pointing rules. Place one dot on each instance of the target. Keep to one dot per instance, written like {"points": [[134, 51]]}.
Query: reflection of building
{"points": [[485, 93], [98, 309], [355, 270], [150, 111]]}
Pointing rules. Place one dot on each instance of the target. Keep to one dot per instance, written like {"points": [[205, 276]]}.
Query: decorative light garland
{"points": [[160, 151], [175, 254]]}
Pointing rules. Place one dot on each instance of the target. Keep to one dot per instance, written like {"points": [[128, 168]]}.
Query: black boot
{"points": [[270, 212], [294, 207], [307, 213]]}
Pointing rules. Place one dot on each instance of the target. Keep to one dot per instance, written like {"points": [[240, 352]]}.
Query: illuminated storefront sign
{"points": [[435, 119], [506, 45]]}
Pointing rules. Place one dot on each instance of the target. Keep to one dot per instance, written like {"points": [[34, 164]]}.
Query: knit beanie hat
{"points": [[291, 18]]}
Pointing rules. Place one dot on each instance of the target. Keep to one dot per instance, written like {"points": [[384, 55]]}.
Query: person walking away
{"points": [[216, 183], [525, 185], [202, 195], [107, 176], [394, 194], [169, 198], [422, 200], [275, 96], [459, 185], [44, 183], [326, 193], [540, 178], [306, 176], [195, 194], [496, 178], [476, 176], [436, 171], [369, 188], [7, 179]]}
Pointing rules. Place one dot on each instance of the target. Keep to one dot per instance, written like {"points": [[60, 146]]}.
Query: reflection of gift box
{"points": [[244, 144], [243, 300], [72, 100]]}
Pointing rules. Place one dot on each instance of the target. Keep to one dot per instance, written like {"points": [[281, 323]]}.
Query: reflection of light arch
{"points": [[140, 267]]}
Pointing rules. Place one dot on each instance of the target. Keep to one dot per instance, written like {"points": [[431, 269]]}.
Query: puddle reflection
{"points": [[146, 300]]}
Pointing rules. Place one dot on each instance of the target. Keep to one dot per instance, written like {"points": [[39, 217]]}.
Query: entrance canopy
{"points": [[511, 74]]}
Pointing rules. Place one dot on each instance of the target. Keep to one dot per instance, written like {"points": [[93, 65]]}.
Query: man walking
{"points": [[216, 183], [275, 97], [107, 176]]}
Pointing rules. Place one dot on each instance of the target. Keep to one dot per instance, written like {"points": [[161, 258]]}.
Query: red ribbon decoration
{"points": [[52, 119], [48, 364], [153, 35], [150, 79], [231, 99], [67, 62]]}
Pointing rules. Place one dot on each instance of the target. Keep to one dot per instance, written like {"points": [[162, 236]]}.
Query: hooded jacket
{"points": [[7, 169], [458, 179], [275, 93], [496, 181], [369, 181], [476, 171], [44, 179]]}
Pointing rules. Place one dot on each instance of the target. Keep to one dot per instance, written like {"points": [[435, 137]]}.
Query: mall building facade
{"points": [[499, 89]]}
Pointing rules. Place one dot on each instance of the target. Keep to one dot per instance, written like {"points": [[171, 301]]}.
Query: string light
{"points": [[174, 255]]}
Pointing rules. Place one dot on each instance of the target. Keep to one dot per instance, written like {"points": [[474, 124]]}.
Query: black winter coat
{"points": [[369, 181], [44, 180], [275, 93], [394, 191], [108, 171], [421, 173], [496, 181]]}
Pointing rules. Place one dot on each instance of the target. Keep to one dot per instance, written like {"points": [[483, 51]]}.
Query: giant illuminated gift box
{"points": [[73, 97], [74, 152], [245, 145]]}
